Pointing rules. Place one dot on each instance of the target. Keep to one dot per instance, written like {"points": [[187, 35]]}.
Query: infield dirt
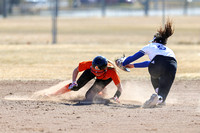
{"points": [[23, 111]]}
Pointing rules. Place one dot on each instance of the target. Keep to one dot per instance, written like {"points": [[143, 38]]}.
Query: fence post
{"points": [[103, 8], [186, 3], [54, 21], [146, 7], [4, 8]]}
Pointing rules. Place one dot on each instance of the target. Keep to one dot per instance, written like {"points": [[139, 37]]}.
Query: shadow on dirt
{"points": [[105, 102], [78, 101]]}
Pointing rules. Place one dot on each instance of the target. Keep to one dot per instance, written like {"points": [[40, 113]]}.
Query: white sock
{"points": [[157, 90]]}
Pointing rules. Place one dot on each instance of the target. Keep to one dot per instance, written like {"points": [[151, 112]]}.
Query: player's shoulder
{"points": [[146, 47], [86, 63], [153, 45], [111, 70]]}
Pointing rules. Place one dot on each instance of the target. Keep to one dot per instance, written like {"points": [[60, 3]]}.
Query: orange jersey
{"points": [[109, 73]]}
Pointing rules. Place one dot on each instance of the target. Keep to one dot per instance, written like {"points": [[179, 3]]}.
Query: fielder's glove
{"points": [[119, 62]]}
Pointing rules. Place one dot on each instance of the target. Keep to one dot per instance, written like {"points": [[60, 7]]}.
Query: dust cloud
{"points": [[133, 92], [43, 94]]}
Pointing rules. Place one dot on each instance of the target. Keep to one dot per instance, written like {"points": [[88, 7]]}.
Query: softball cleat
{"points": [[152, 102]]}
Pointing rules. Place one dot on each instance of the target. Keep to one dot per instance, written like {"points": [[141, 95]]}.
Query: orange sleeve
{"points": [[84, 65], [115, 77]]}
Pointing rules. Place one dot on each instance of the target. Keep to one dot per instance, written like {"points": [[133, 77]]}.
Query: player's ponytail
{"points": [[165, 33], [112, 66]]}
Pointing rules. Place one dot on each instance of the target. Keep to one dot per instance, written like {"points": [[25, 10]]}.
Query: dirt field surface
{"points": [[23, 110], [31, 67]]}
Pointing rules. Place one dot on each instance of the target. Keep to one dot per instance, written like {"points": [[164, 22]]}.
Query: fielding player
{"points": [[102, 70], [162, 65]]}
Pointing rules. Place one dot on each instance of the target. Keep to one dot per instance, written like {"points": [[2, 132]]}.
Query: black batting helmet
{"points": [[99, 62]]}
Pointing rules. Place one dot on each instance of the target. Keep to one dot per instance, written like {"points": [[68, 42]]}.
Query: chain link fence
{"points": [[87, 8]]}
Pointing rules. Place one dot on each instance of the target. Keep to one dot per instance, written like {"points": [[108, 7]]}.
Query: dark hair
{"points": [[164, 34]]}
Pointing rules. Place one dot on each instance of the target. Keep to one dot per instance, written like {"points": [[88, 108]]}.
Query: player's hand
{"points": [[73, 84], [129, 66], [119, 62], [115, 99]]}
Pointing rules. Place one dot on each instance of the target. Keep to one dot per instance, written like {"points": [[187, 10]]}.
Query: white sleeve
{"points": [[145, 49]]}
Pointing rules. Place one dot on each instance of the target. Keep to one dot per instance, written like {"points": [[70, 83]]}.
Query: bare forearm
{"points": [[119, 90], [75, 74]]}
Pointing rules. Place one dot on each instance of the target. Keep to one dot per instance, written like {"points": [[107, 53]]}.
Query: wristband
{"points": [[117, 94]]}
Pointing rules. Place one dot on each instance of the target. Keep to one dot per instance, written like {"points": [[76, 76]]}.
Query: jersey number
{"points": [[161, 47]]}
